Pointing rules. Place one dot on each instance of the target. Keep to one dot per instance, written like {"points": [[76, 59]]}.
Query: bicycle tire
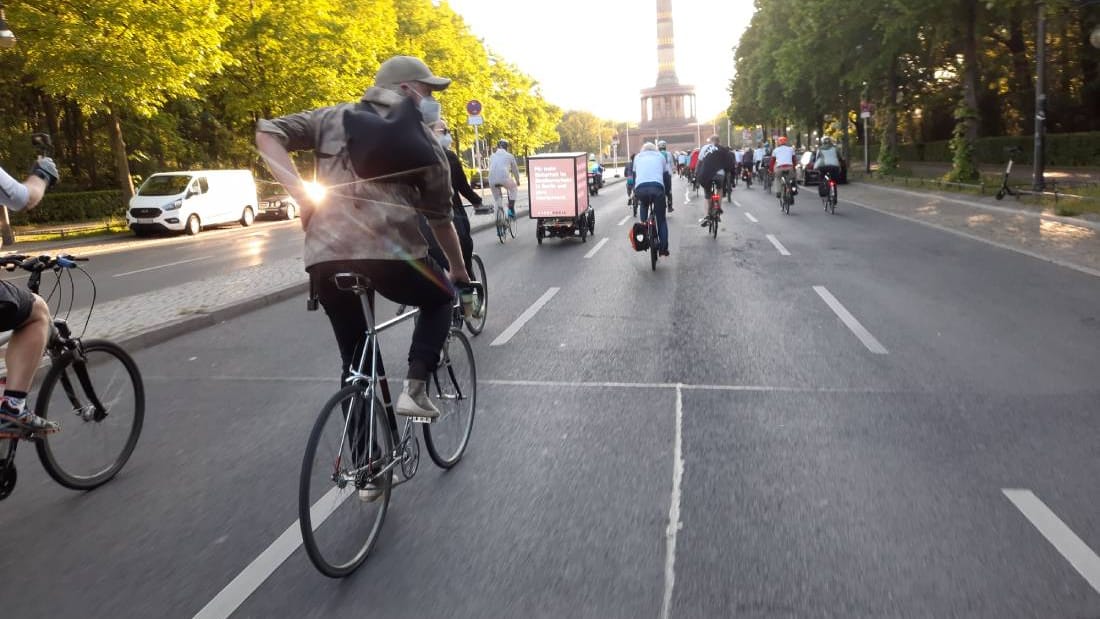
{"points": [[52, 450], [477, 325], [454, 389], [512, 224], [714, 227], [500, 225], [322, 498], [653, 252]]}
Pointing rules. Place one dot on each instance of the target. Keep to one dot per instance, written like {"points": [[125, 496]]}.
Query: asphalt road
{"points": [[815, 465]]}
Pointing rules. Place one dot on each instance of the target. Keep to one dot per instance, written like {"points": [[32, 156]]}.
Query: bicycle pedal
{"points": [[427, 420]]}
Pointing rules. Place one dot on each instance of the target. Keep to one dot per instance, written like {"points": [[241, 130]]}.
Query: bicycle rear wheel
{"points": [[93, 445], [476, 325], [453, 387], [500, 224], [348, 443], [653, 250], [714, 226]]}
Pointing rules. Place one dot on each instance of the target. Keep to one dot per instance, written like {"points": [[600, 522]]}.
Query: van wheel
{"points": [[290, 214], [247, 217], [193, 225]]}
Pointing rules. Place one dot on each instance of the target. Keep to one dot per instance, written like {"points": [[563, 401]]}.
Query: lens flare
{"points": [[315, 191]]}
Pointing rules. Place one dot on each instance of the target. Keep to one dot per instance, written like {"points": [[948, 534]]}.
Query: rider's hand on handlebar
{"points": [[459, 275], [44, 166]]}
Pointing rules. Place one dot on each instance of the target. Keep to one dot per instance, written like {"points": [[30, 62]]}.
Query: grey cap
{"points": [[408, 69]]}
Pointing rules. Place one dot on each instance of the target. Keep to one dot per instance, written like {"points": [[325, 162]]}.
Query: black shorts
{"points": [[15, 306]]}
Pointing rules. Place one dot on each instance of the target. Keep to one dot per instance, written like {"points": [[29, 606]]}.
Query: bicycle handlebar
{"points": [[38, 264]]}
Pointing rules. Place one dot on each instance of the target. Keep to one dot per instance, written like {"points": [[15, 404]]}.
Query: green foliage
{"points": [[964, 166], [1062, 149], [73, 207]]}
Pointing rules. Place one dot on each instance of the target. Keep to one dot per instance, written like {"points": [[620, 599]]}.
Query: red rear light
{"points": [[716, 197]]}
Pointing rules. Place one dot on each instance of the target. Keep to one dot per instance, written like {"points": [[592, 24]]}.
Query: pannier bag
{"points": [[639, 240]]}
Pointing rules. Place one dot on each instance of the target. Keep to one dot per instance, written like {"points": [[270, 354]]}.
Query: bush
{"points": [[73, 207], [1062, 149]]}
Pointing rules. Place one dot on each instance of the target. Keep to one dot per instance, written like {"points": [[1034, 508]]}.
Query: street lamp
{"points": [[7, 37]]}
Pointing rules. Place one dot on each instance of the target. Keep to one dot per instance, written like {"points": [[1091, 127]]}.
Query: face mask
{"points": [[429, 109], [444, 140]]}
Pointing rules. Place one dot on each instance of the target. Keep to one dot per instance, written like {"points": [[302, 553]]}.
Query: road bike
{"points": [[93, 389], [714, 209], [506, 225], [786, 193], [356, 446], [829, 199]]}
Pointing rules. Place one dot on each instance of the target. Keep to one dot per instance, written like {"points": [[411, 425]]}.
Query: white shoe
{"points": [[414, 401], [370, 493]]}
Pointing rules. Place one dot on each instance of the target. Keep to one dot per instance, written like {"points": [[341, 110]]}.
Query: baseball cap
{"points": [[400, 69]]}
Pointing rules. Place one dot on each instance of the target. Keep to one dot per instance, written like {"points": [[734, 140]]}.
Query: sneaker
{"points": [[370, 493], [663, 252], [670, 209], [18, 423], [414, 401], [703, 222]]}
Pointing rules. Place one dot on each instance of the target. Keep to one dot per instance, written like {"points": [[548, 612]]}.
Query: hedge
{"points": [[1062, 149], [73, 207]]}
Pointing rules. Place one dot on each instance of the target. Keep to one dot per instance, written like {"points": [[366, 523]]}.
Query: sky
{"points": [[596, 55]]}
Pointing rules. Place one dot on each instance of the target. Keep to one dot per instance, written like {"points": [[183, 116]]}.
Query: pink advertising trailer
{"points": [[557, 189]]}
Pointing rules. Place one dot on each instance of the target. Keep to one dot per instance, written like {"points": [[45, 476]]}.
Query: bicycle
{"points": [[101, 388], [476, 324], [714, 209], [356, 445], [504, 223], [829, 199], [786, 197]]}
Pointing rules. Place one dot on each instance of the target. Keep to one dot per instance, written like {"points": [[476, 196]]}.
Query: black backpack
{"points": [[388, 149]]}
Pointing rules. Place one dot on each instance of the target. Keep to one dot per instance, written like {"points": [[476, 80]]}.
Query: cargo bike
{"points": [[557, 186]]}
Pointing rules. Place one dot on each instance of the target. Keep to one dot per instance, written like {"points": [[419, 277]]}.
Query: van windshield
{"points": [[164, 185]]}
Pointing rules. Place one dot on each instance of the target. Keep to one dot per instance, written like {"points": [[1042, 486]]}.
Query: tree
{"points": [[122, 57], [580, 132]]}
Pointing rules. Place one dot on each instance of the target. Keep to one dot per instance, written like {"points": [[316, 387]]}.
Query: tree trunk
{"points": [[1022, 78], [970, 62], [1090, 71], [887, 157], [118, 150]]}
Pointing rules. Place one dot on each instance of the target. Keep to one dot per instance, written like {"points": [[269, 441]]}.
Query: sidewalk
{"points": [[1073, 242], [1021, 172]]}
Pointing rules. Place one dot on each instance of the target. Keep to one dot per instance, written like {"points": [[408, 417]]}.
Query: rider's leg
{"points": [[25, 349], [513, 192], [662, 223], [496, 195], [465, 241]]}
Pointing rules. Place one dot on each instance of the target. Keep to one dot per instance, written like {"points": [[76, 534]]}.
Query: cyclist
{"points": [[758, 157], [371, 227], [24, 313], [827, 161], [747, 160], [718, 165], [461, 188], [503, 172], [650, 171], [782, 165], [628, 172]]}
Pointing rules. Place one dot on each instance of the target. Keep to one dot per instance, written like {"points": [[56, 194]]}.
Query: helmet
{"points": [[782, 140], [827, 141], [662, 144], [502, 144]]}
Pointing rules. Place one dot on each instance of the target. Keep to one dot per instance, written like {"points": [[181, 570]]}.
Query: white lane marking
{"points": [[625, 219], [737, 204], [592, 252], [842, 312], [161, 266], [751, 218], [1064, 540], [674, 524], [782, 250], [524, 317], [245, 584], [974, 237]]}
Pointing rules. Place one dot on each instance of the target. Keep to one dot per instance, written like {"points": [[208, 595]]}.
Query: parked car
{"points": [[279, 204], [188, 201]]}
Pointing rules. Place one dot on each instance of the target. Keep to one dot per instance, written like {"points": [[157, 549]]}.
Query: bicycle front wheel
{"points": [[501, 217], [349, 445], [454, 390], [101, 407], [477, 324]]}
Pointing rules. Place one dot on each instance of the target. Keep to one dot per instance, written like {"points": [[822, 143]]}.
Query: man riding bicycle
{"points": [[782, 164], [650, 171], [827, 162], [370, 226], [503, 172], [716, 167], [662, 148], [24, 313]]}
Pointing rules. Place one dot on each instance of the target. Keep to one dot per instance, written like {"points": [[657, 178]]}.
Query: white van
{"points": [[187, 201]]}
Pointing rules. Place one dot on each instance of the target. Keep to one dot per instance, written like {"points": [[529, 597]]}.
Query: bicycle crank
{"points": [[410, 458]]}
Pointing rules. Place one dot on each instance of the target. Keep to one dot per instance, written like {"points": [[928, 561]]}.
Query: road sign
{"points": [[473, 107], [866, 108], [474, 121], [864, 114]]}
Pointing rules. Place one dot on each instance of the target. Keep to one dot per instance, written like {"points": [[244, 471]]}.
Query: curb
{"points": [[183, 326]]}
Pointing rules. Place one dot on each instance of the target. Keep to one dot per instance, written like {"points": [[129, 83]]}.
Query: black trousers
{"points": [[465, 241], [420, 283]]}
